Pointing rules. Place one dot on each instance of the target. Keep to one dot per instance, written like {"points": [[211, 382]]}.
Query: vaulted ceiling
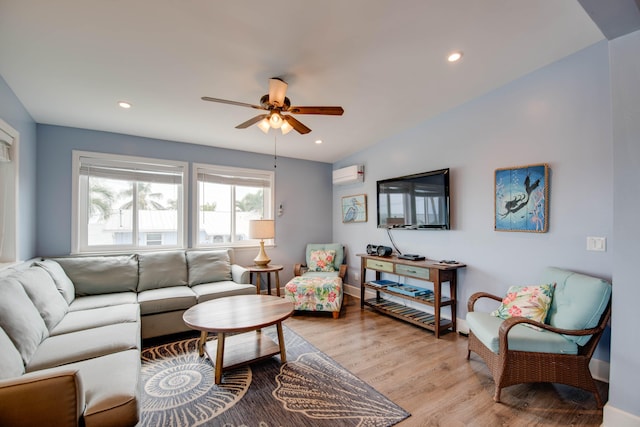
{"points": [[70, 62]]}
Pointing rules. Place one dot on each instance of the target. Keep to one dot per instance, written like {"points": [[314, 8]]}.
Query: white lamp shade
{"points": [[262, 229]]}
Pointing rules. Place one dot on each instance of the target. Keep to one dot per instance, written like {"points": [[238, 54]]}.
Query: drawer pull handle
{"points": [[412, 271]]}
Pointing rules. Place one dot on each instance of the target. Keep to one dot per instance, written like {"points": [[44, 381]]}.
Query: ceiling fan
{"points": [[275, 103]]}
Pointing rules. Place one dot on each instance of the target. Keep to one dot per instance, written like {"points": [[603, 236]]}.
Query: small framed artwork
{"points": [[522, 198], [354, 208]]}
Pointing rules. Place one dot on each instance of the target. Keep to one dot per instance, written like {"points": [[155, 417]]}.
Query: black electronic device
{"points": [[411, 257], [384, 251], [372, 249], [415, 202]]}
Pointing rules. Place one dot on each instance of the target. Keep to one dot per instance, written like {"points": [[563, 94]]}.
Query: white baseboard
{"points": [[614, 417], [599, 368]]}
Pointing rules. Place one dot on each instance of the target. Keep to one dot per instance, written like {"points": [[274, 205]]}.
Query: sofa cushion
{"points": [[161, 270], [97, 317], [86, 344], [485, 327], [96, 301], [62, 281], [578, 301], [209, 291], [532, 302], [208, 266], [20, 319], [11, 364], [44, 294], [166, 299], [101, 274]]}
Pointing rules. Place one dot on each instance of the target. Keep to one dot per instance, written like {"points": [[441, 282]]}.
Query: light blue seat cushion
{"points": [[105, 300], [578, 301], [521, 338], [94, 318], [166, 299], [209, 291]]}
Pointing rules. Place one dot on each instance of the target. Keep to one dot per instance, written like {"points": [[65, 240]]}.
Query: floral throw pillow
{"points": [[532, 302], [322, 260]]}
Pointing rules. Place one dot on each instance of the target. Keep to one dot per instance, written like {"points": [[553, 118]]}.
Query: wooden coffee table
{"points": [[242, 313]]}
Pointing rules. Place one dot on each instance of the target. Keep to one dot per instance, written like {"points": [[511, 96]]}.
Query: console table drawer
{"points": [[409, 270], [374, 264]]}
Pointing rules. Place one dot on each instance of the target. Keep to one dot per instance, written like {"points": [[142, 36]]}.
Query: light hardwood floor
{"points": [[432, 379]]}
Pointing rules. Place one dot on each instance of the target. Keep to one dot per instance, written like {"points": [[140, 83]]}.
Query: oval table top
{"points": [[240, 313]]}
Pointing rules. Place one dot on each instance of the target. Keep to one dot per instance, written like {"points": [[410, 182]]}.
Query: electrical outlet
{"points": [[597, 244]]}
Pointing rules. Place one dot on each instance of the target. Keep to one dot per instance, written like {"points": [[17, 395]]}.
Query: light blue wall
{"points": [[625, 339], [558, 115], [303, 187], [13, 112]]}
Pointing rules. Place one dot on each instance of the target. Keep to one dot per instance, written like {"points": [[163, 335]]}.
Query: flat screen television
{"points": [[414, 202]]}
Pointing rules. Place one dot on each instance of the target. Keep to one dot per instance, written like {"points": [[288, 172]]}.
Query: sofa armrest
{"points": [[299, 269], [239, 274], [42, 398], [476, 296]]}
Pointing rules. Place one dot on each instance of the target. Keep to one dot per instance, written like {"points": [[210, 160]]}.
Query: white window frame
{"points": [[79, 243], [9, 197], [268, 211]]}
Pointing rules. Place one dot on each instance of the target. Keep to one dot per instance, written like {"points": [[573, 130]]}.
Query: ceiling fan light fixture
{"points": [[286, 128], [264, 125], [275, 120]]}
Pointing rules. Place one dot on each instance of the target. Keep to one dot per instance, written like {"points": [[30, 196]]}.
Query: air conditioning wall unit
{"points": [[348, 175]]}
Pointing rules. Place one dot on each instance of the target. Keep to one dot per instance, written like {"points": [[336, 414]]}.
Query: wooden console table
{"points": [[425, 294]]}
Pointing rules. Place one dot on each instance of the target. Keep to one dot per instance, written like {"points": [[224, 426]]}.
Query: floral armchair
{"points": [[317, 285]]}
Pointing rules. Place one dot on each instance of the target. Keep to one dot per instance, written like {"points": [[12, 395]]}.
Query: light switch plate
{"points": [[596, 244]]}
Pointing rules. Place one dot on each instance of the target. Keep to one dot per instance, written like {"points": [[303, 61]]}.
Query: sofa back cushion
{"points": [[161, 270], [44, 294], [208, 266], [11, 364], [101, 274], [62, 281], [20, 318], [578, 301]]}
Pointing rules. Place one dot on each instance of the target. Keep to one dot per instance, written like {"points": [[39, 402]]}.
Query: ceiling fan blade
{"points": [[329, 111], [297, 125], [225, 101], [252, 121], [277, 91]]}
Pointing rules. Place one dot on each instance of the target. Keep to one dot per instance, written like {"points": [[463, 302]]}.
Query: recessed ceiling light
{"points": [[124, 104], [454, 56], [318, 141]]}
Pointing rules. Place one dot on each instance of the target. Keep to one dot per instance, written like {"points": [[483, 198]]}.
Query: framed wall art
{"points": [[354, 208], [522, 198]]}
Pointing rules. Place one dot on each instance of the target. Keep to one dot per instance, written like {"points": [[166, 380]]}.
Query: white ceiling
{"points": [[70, 62]]}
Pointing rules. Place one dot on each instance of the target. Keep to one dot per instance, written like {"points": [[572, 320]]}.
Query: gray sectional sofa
{"points": [[71, 329]]}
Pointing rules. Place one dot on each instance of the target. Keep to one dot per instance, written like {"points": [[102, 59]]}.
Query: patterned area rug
{"points": [[311, 389]]}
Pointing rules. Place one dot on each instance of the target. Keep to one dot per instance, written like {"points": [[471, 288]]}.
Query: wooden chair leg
{"points": [[336, 314], [496, 395]]}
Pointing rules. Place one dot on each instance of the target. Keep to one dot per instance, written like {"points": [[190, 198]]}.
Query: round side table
{"points": [[271, 268]]}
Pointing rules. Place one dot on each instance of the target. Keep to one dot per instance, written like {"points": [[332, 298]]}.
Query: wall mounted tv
{"points": [[414, 202]]}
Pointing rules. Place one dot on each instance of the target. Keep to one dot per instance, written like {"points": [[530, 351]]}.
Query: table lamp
{"points": [[262, 229]]}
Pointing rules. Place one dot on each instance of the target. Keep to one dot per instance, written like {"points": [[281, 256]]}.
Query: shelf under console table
{"points": [[429, 271]]}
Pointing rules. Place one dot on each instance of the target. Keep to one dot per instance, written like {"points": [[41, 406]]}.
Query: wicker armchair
{"points": [[510, 366]]}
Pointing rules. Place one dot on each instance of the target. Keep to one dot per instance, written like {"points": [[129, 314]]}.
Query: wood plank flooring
{"points": [[432, 379]]}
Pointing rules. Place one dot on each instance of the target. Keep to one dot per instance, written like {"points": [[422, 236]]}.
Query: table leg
{"points": [[277, 283], [268, 283], [201, 342], [258, 284], [283, 352], [219, 358]]}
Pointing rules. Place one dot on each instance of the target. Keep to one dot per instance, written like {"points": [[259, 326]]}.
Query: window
{"points": [[127, 203], [9, 139], [227, 199]]}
